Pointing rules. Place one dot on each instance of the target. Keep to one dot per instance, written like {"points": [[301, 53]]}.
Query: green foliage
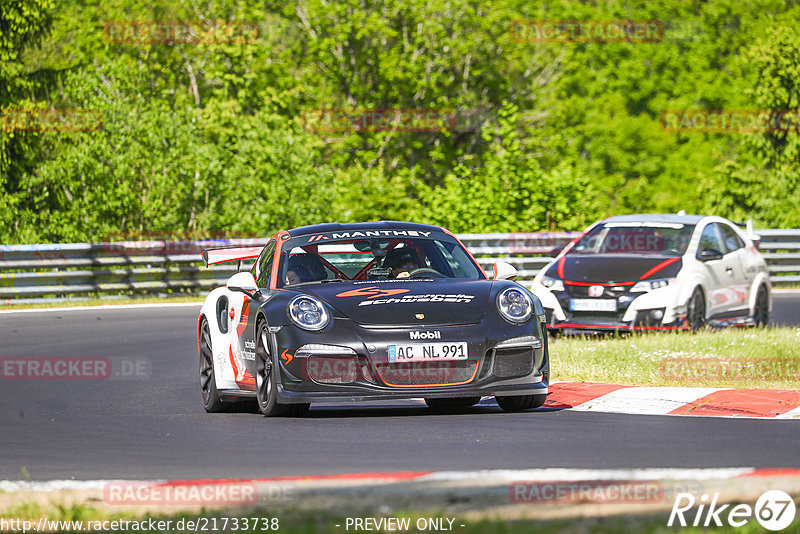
{"points": [[509, 191], [23, 23], [766, 177], [211, 137]]}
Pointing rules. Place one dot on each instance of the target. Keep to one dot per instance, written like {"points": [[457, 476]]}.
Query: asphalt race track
{"points": [[786, 308], [154, 427]]}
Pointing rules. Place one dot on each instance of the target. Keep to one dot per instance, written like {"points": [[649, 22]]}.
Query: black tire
{"points": [[761, 310], [266, 383], [453, 403], [519, 403], [208, 382], [696, 310]]}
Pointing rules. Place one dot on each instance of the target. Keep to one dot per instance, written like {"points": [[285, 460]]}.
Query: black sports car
{"points": [[369, 311]]}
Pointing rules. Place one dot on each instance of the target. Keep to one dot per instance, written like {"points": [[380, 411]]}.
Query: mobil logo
{"points": [[426, 335]]}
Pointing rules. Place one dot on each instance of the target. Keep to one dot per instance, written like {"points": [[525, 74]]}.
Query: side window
{"points": [[732, 241], [263, 266], [710, 239], [455, 268]]}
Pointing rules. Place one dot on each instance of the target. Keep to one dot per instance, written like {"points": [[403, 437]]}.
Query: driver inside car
{"points": [[297, 275], [402, 262], [305, 268]]}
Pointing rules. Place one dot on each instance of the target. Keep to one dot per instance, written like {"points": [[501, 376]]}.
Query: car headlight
{"points": [[308, 312], [649, 285], [515, 305], [553, 284]]}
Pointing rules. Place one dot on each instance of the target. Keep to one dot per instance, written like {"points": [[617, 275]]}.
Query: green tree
{"points": [[509, 191], [23, 24], [762, 180], [213, 137]]}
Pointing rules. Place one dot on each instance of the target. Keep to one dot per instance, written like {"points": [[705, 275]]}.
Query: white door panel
{"points": [[721, 274]]}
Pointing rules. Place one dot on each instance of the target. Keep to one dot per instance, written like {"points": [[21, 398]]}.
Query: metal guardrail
{"points": [[527, 252], [54, 272], [781, 250]]}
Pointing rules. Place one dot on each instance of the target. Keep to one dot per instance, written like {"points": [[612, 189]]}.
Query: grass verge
{"points": [[765, 358]]}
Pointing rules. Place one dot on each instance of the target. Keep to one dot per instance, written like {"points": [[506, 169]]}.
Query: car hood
{"points": [[439, 301], [617, 268]]}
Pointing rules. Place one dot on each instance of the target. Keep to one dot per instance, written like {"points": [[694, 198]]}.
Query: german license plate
{"points": [[606, 305], [420, 352]]}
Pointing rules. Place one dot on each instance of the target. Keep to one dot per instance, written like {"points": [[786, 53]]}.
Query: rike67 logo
{"points": [[774, 510]]}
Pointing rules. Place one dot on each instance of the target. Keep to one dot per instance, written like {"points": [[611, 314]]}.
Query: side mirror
{"points": [[504, 271], [555, 251], [242, 282], [709, 254]]}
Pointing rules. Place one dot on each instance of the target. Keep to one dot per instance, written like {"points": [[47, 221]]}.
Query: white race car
{"points": [[641, 272]]}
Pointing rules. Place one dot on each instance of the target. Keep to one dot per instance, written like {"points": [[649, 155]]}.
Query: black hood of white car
{"points": [[616, 268], [407, 301]]}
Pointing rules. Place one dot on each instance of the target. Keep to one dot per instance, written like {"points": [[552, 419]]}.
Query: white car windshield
{"points": [[645, 238]]}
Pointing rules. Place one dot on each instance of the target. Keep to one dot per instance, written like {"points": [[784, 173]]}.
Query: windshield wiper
{"points": [[327, 280]]}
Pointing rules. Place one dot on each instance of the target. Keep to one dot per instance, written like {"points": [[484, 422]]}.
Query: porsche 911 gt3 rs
{"points": [[369, 311], [643, 272]]}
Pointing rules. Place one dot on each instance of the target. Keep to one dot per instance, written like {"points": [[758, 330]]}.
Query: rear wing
{"points": [[222, 255], [752, 235], [750, 232]]}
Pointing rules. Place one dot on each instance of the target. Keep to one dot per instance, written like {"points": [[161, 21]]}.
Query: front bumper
{"points": [[351, 362], [654, 310]]}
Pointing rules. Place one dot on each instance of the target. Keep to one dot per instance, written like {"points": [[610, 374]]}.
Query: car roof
{"points": [[343, 227], [657, 217]]}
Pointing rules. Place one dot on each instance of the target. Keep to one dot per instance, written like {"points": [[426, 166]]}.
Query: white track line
{"points": [[791, 414], [644, 400], [590, 474], [484, 476], [104, 307], [51, 485]]}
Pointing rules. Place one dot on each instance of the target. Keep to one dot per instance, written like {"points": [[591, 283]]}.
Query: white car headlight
{"points": [[515, 305], [553, 284], [649, 285], [308, 312]]}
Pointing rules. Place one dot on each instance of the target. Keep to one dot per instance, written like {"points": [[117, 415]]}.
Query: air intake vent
{"points": [[336, 370], [513, 362], [444, 373]]}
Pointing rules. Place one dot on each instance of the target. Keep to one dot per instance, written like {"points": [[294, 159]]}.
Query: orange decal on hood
{"points": [[372, 292]]}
